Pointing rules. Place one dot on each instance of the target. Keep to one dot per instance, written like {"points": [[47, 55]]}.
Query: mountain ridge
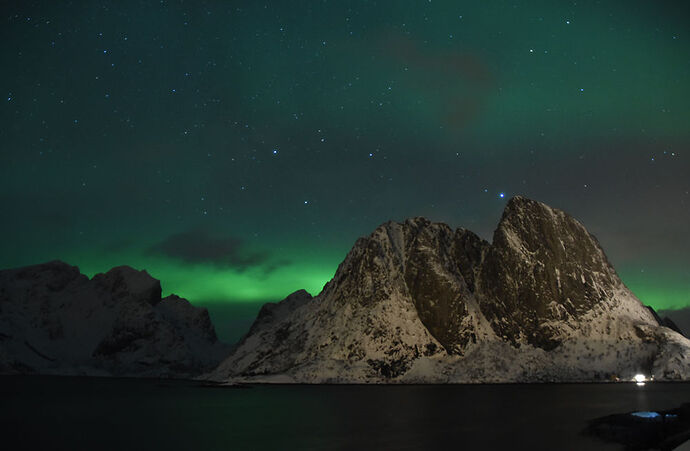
{"points": [[55, 320], [420, 302]]}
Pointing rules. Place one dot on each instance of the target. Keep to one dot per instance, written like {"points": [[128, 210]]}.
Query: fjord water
{"points": [[105, 413]]}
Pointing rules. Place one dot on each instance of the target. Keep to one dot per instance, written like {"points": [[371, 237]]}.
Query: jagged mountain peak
{"points": [[417, 301], [125, 281], [274, 312], [531, 222], [56, 321], [56, 272], [542, 267]]}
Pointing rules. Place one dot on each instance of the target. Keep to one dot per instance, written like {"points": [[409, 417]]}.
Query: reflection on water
{"points": [[645, 429], [92, 413], [645, 414]]}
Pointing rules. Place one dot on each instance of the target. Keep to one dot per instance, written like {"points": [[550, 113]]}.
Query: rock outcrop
{"points": [[420, 302], [54, 320], [666, 321]]}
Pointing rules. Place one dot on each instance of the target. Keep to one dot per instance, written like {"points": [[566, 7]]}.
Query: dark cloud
{"points": [[201, 246], [461, 82]]}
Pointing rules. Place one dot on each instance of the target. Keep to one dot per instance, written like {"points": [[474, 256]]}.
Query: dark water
{"points": [[101, 413]]}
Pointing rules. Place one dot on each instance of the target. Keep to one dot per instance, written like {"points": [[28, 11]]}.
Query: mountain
{"points": [[418, 302], [54, 320], [666, 321]]}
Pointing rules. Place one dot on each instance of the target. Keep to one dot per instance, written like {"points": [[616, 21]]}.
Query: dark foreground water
{"points": [[101, 413]]}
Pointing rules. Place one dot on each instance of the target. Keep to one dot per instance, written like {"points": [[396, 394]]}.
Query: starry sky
{"points": [[237, 149]]}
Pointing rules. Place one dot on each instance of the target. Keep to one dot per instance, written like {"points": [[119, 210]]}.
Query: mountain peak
{"points": [[125, 281], [543, 266], [417, 221], [56, 321], [518, 208], [520, 199], [419, 302]]}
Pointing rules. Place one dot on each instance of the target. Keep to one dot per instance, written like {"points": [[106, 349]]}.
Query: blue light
{"points": [[645, 414], [501, 195]]}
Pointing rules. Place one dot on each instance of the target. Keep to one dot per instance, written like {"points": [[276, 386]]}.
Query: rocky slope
{"points": [[54, 320], [420, 302]]}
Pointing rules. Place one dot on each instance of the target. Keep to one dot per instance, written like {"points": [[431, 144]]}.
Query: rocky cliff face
{"points": [[543, 269], [419, 302], [54, 320]]}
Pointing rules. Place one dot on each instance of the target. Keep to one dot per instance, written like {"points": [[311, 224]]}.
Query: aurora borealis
{"points": [[236, 150]]}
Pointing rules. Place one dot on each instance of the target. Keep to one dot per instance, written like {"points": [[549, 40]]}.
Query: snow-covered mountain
{"points": [[54, 320], [420, 302]]}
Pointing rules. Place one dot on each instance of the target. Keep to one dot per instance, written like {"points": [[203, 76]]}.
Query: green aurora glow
{"points": [[285, 130]]}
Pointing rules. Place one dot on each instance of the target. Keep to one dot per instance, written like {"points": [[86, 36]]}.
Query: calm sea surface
{"points": [[102, 413]]}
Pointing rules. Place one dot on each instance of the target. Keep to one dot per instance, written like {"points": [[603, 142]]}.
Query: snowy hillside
{"points": [[54, 320], [420, 302]]}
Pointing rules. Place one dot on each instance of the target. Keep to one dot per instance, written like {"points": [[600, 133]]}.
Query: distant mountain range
{"points": [[54, 320], [414, 302], [419, 302]]}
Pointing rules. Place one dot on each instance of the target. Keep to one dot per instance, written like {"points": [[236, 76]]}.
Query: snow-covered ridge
{"points": [[54, 320], [420, 302]]}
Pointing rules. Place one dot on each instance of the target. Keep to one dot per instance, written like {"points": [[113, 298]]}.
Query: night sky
{"points": [[237, 149]]}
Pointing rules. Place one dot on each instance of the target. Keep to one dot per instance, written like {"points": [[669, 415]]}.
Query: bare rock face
{"points": [[543, 267], [419, 302], [54, 320], [666, 321], [126, 282], [271, 313]]}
